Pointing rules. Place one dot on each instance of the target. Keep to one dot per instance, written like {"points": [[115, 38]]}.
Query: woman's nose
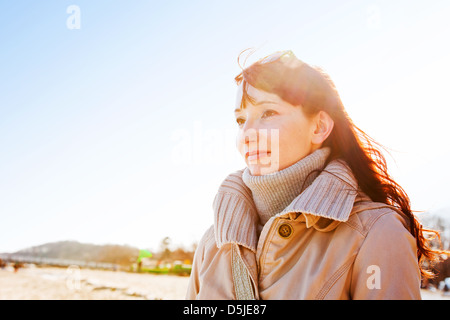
{"points": [[248, 137], [251, 135]]}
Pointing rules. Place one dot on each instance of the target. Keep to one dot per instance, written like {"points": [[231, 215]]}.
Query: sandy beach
{"points": [[49, 283], [74, 283]]}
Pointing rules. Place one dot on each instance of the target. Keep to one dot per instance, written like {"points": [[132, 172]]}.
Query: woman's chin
{"points": [[261, 170]]}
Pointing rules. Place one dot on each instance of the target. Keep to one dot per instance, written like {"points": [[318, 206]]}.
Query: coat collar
{"points": [[332, 195]]}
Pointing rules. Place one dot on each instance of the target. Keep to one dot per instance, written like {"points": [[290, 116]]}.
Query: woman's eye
{"points": [[268, 113], [240, 121]]}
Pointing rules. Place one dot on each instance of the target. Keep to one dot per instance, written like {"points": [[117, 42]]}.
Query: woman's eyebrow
{"points": [[264, 101], [256, 104]]}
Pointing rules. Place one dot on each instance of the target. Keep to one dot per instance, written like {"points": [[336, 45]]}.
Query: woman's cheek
{"points": [[240, 142]]}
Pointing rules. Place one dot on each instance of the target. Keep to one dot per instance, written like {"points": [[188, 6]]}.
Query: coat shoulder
{"points": [[377, 215], [208, 239]]}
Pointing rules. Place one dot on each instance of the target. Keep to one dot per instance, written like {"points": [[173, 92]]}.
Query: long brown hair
{"points": [[313, 89]]}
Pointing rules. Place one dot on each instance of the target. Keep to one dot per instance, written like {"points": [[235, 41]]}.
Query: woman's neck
{"points": [[274, 192]]}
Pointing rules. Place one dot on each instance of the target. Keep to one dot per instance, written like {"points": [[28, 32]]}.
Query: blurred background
{"points": [[117, 125]]}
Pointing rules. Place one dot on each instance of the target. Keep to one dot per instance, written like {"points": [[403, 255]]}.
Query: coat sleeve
{"points": [[386, 267], [194, 279]]}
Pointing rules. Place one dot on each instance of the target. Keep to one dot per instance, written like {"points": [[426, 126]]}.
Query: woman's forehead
{"points": [[258, 96]]}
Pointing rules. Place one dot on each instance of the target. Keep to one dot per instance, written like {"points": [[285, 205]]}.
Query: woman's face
{"points": [[273, 134]]}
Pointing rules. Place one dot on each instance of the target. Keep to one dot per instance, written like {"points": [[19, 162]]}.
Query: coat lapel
{"points": [[332, 195]]}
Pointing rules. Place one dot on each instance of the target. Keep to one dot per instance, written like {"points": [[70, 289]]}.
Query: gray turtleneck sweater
{"points": [[274, 192]]}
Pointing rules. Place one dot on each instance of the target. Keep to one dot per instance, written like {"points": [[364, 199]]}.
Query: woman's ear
{"points": [[323, 127]]}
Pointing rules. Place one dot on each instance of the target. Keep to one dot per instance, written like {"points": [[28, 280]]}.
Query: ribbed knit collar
{"points": [[332, 195], [272, 193]]}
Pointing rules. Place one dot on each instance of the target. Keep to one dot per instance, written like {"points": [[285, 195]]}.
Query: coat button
{"points": [[285, 230]]}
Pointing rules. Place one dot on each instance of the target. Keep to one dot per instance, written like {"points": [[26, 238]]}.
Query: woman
{"points": [[314, 215]]}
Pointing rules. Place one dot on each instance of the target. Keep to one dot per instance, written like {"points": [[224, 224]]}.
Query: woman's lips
{"points": [[254, 155]]}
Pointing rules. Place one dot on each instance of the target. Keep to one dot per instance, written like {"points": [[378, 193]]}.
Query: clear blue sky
{"points": [[121, 131]]}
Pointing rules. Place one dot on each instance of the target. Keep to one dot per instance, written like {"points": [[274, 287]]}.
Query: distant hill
{"points": [[73, 250]]}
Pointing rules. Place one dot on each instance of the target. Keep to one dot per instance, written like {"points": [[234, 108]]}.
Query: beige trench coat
{"points": [[329, 243]]}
